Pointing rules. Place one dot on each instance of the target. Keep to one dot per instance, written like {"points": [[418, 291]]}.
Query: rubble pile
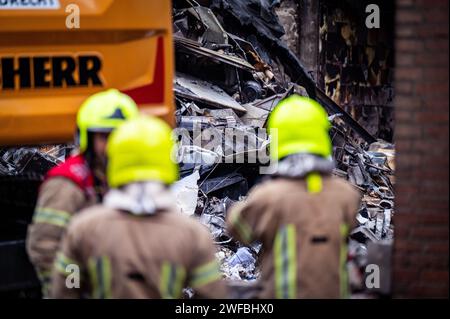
{"points": [[371, 169], [35, 160], [21, 172], [231, 71]]}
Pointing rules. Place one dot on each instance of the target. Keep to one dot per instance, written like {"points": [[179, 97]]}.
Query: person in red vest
{"points": [[77, 183]]}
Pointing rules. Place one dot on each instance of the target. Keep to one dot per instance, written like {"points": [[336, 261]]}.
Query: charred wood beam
{"points": [[333, 107], [309, 35]]}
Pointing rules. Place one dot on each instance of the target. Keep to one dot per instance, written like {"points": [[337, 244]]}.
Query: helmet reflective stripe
{"points": [[103, 112]]}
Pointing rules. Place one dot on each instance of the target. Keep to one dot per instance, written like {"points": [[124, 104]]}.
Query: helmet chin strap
{"points": [[98, 169], [92, 159], [76, 137]]}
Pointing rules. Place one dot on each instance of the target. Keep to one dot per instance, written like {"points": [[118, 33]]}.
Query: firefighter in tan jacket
{"points": [[302, 215], [77, 183], [136, 244]]}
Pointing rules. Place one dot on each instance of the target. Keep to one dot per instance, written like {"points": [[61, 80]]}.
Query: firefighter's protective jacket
{"points": [[67, 189], [136, 245], [303, 235]]}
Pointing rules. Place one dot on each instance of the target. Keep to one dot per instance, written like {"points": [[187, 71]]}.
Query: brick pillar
{"points": [[422, 137]]}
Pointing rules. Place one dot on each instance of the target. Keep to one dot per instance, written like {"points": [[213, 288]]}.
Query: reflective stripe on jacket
{"points": [[121, 255], [304, 231]]}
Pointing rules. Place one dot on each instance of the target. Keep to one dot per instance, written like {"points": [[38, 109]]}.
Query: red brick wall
{"points": [[422, 137]]}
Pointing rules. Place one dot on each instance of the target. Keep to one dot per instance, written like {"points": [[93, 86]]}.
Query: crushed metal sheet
{"points": [[215, 184], [258, 111], [193, 47], [191, 88], [15, 161]]}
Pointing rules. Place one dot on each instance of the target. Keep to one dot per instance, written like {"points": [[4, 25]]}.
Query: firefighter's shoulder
{"points": [[277, 186], [89, 217], [179, 220]]}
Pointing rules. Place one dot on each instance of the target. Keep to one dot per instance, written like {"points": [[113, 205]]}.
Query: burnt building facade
{"points": [[352, 63]]}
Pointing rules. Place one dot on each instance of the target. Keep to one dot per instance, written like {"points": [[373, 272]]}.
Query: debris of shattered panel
{"points": [[21, 172], [371, 169], [36, 160], [232, 70]]}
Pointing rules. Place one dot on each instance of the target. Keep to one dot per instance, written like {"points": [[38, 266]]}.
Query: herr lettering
{"points": [[38, 72]]}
